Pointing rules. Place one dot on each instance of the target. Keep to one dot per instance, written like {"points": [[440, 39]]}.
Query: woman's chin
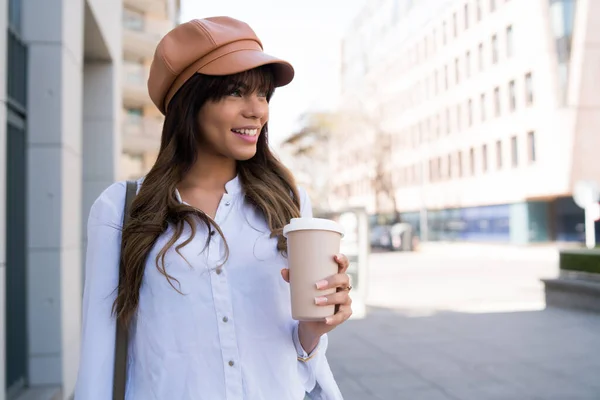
{"points": [[245, 154]]}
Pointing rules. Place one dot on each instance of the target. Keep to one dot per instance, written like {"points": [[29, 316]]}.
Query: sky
{"points": [[305, 33]]}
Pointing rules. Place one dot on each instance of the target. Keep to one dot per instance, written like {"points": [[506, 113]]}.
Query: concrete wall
{"points": [[101, 101], [101, 131], [53, 30], [72, 109]]}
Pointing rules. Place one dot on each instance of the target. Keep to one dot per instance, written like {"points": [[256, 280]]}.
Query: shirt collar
{"points": [[233, 187]]}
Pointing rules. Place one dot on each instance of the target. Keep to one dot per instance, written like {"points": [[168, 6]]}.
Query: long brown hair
{"points": [[267, 184]]}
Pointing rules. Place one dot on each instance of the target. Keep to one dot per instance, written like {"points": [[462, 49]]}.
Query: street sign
{"points": [[586, 193], [594, 211]]}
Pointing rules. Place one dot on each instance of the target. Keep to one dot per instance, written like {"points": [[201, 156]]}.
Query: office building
{"points": [[487, 111]]}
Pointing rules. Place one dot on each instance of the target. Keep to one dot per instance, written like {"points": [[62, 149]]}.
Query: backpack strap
{"points": [[120, 369]]}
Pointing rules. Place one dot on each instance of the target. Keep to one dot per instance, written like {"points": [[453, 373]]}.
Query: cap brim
{"points": [[244, 60]]}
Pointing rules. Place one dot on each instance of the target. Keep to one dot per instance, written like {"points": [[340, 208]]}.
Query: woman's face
{"points": [[230, 127]]}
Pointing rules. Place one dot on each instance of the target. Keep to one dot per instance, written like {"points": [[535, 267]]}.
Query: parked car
{"points": [[380, 237], [397, 237]]}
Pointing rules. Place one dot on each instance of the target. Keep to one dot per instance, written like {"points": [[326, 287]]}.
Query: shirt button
{"points": [[218, 271], [228, 203], [231, 363], [225, 319]]}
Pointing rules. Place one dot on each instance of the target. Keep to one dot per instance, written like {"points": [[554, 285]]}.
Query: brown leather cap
{"points": [[211, 46]]}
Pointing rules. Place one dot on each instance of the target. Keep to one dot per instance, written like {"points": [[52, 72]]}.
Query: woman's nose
{"points": [[256, 107]]}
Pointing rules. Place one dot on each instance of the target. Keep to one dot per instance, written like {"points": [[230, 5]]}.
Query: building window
{"points": [[528, 89], [492, 5], [457, 70], [137, 112], [531, 146], [458, 119], [480, 56], [509, 41], [512, 98], [472, 161], [433, 41], [446, 77], [428, 127], [133, 20], [466, 15], [14, 14], [494, 49], [470, 112], [482, 106], [134, 115], [444, 33], [448, 130], [455, 25], [478, 9], [514, 149], [438, 164], [499, 154], [484, 158], [425, 47], [497, 102], [449, 166], [468, 64], [438, 125], [436, 86], [431, 171]]}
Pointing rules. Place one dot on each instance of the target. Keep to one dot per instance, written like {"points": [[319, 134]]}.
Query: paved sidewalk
{"points": [[544, 355]]}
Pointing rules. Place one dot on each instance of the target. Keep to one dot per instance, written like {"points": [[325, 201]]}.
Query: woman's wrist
{"points": [[308, 339]]}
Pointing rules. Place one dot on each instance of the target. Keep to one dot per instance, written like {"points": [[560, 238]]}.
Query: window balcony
{"points": [[135, 88], [141, 35], [141, 134]]}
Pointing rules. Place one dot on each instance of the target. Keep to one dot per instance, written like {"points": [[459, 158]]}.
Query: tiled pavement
{"points": [[544, 355]]}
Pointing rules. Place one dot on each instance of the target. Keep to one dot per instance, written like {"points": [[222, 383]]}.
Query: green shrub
{"points": [[580, 260]]}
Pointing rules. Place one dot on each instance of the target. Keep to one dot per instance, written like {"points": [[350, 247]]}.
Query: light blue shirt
{"points": [[230, 336]]}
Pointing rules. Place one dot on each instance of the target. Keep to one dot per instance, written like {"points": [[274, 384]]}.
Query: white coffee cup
{"points": [[311, 244]]}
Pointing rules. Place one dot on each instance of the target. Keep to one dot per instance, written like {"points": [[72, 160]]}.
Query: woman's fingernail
{"points": [[328, 320], [320, 300], [321, 284]]}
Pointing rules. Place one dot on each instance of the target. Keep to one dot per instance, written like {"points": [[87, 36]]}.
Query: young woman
{"points": [[204, 294]]}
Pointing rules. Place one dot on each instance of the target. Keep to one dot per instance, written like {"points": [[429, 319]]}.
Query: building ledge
{"points": [[573, 292]]}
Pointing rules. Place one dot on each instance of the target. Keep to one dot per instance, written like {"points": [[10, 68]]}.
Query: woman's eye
{"points": [[236, 93]]}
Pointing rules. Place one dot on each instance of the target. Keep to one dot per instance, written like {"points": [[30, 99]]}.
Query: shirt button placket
{"points": [[224, 307]]}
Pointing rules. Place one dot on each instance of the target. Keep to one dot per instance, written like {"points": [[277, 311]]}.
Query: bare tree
{"points": [[309, 148], [368, 115], [383, 182]]}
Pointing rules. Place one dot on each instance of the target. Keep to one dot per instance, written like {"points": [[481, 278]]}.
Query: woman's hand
{"points": [[311, 331]]}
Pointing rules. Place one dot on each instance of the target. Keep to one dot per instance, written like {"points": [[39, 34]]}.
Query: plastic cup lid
{"points": [[320, 224]]}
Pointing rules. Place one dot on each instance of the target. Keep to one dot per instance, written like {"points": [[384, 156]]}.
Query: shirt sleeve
{"points": [[95, 376], [313, 368]]}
